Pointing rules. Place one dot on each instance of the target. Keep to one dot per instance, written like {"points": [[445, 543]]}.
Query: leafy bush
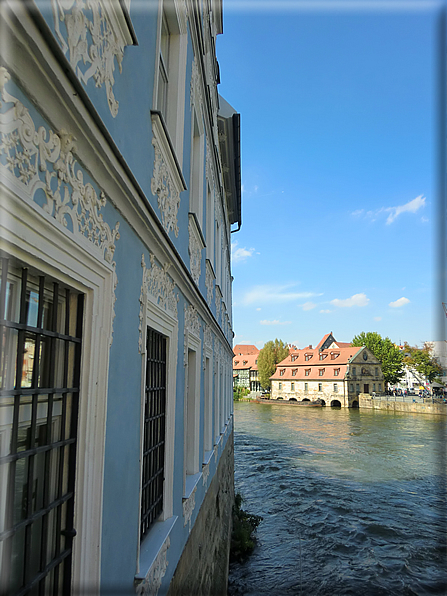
{"points": [[244, 526]]}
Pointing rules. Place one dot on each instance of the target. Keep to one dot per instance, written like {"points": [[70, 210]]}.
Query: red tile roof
{"points": [[333, 358], [245, 361], [245, 349]]}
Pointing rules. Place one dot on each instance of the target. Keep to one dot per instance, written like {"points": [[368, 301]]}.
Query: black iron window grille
{"points": [[40, 335], [153, 431]]}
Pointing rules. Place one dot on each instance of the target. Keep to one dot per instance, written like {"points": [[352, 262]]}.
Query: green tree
{"points": [[272, 353], [389, 356], [423, 361]]}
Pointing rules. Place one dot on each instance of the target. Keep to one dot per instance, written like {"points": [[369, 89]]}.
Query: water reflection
{"points": [[360, 494]]}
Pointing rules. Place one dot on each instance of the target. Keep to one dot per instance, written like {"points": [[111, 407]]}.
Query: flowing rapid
{"points": [[353, 501]]}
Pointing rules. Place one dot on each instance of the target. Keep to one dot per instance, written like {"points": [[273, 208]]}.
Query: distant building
{"points": [[245, 367], [333, 372]]}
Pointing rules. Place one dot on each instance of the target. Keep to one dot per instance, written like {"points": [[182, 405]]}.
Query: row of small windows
{"points": [[306, 387]]}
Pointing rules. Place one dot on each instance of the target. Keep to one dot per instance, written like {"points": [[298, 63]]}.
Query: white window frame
{"points": [[34, 237], [191, 461], [175, 111], [197, 173], [166, 324]]}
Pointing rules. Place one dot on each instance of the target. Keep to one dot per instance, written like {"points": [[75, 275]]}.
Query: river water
{"points": [[353, 501]]}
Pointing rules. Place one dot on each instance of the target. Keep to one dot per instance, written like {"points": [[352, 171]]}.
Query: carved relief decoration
{"points": [[192, 322], [218, 302], [159, 287], [208, 344], [165, 182], [41, 160], [94, 42], [205, 474], [209, 283], [152, 582], [188, 508], [195, 251]]}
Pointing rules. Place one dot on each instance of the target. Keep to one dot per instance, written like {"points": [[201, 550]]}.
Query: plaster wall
{"points": [[203, 566]]}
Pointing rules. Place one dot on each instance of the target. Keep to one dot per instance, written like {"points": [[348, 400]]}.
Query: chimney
{"points": [[310, 346]]}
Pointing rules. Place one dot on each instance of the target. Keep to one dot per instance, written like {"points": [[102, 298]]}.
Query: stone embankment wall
{"points": [[203, 566], [365, 401]]}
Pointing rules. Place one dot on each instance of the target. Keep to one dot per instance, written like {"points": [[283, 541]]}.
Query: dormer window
{"points": [[323, 356], [336, 372], [294, 357], [294, 372], [245, 362], [321, 372], [236, 362], [334, 355], [282, 371], [308, 356], [307, 372]]}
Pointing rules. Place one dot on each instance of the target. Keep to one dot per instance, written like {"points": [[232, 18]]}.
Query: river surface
{"points": [[353, 501]]}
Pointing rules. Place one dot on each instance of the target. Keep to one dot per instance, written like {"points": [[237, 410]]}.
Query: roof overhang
{"points": [[229, 124]]}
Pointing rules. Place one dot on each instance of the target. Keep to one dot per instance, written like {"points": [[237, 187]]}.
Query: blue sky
{"points": [[338, 104]]}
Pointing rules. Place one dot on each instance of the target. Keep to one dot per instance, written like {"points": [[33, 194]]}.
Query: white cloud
{"points": [[411, 207], [258, 309], [325, 311], [309, 305], [274, 294], [393, 212], [240, 254], [377, 318], [276, 322], [355, 300], [398, 303]]}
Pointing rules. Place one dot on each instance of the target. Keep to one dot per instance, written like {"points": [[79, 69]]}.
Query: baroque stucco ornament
{"points": [[41, 160], [159, 287], [188, 508], [195, 252], [94, 42], [164, 185], [151, 584]]}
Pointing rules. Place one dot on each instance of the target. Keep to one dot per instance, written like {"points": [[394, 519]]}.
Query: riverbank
{"points": [[379, 403]]}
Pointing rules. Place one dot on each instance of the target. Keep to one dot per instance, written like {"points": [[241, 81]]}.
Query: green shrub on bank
{"points": [[244, 526], [240, 392]]}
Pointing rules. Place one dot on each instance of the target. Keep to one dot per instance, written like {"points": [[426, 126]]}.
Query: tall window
{"points": [[163, 76], [40, 331], [171, 74], [154, 425], [320, 386], [197, 171], [292, 386], [306, 386], [335, 388]]}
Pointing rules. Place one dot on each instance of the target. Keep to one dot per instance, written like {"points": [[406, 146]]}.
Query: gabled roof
{"points": [[245, 361], [245, 349]]}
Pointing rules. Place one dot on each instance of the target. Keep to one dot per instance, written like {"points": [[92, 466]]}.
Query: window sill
{"points": [[191, 482], [207, 457], [153, 548]]}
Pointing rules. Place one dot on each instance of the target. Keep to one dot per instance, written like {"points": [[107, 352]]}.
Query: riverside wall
{"points": [[366, 401], [203, 566]]}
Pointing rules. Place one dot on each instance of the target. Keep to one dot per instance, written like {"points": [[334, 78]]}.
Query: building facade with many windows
{"points": [[120, 187], [331, 373]]}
